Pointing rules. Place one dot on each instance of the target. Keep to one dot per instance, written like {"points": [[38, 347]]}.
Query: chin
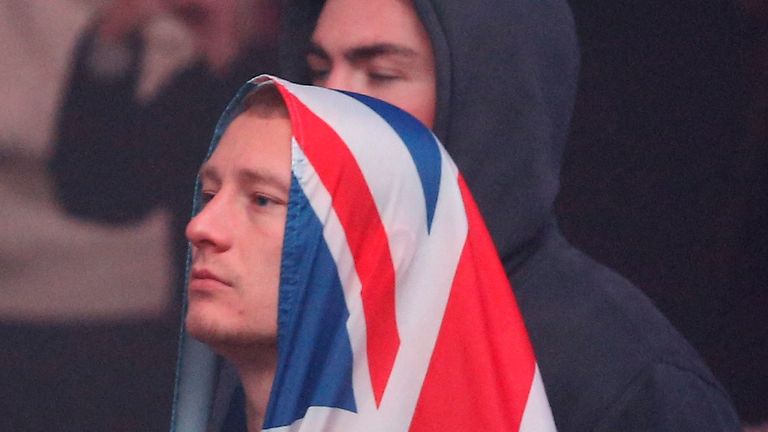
{"points": [[224, 335]]}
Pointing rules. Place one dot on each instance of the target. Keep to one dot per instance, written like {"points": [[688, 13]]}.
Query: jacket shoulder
{"points": [[666, 397], [600, 341]]}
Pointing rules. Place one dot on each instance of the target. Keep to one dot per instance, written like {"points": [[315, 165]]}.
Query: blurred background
{"points": [[86, 340], [665, 179]]}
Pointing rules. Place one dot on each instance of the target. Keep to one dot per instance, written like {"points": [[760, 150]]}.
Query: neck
{"points": [[256, 374]]}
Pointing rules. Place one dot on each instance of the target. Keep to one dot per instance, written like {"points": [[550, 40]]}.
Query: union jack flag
{"points": [[395, 312]]}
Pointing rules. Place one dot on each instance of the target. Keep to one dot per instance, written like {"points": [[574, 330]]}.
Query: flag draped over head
{"points": [[395, 313]]}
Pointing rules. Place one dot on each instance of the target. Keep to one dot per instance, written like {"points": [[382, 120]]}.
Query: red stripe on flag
{"points": [[367, 239], [482, 367]]}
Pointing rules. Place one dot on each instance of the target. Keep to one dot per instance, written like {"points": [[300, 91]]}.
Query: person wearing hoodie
{"points": [[342, 273], [503, 83]]}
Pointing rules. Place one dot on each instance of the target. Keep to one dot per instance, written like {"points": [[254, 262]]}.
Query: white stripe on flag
{"points": [[537, 416], [377, 163], [334, 236]]}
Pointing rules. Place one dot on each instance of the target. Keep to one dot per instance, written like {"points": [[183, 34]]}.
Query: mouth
{"points": [[201, 279]]}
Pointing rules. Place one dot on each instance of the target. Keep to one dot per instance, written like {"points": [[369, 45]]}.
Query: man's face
{"points": [[378, 48], [237, 237]]}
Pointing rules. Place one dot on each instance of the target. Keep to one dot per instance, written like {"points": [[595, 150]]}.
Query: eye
{"points": [[206, 197], [383, 77], [318, 68], [318, 76], [262, 200]]}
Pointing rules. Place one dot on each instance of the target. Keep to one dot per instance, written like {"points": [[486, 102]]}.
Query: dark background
{"points": [[665, 178]]}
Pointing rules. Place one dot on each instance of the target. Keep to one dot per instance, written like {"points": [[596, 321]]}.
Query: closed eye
{"points": [[318, 68], [318, 77], [383, 77], [316, 73]]}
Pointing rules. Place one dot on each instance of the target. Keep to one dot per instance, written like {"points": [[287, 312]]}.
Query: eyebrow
{"points": [[365, 52], [247, 176], [208, 172]]}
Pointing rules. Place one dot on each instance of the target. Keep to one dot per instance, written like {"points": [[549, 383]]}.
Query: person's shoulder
{"points": [[599, 340], [669, 397]]}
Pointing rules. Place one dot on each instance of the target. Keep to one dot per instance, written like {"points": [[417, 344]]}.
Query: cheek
{"points": [[423, 108], [426, 113], [274, 260], [261, 255], [417, 98], [428, 104], [260, 292], [263, 263]]}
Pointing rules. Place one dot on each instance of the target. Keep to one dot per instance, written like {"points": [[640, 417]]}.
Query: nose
{"points": [[210, 228]]}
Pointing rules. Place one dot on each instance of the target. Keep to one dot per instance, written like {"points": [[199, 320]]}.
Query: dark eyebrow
{"points": [[365, 52]]}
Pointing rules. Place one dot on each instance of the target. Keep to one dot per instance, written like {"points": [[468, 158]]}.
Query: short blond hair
{"points": [[265, 101]]}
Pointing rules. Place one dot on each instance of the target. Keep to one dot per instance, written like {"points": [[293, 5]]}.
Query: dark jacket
{"points": [[506, 84]]}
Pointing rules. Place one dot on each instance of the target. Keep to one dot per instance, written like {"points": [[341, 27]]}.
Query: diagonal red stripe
{"points": [[354, 205], [482, 367]]}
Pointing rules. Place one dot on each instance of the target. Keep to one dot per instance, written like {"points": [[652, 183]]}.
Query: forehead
{"points": [[355, 22], [253, 141]]}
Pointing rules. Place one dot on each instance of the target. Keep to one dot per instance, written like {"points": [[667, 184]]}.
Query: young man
{"points": [[500, 80], [340, 270], [237, 240]]}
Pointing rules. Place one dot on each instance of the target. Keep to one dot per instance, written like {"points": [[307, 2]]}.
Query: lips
{"points": [[204, 279]]}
